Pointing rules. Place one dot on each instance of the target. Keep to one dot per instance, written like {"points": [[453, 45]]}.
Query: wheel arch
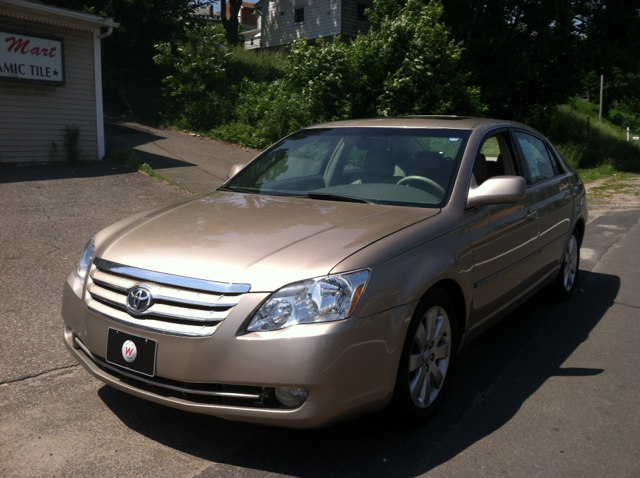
{"points": [[457, 297], [580, 229]]}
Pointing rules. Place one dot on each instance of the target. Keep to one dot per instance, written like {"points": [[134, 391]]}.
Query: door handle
{"points": [[532, 215]]}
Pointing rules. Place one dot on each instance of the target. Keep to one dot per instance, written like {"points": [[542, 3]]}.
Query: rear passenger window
{"points": [[539, 162]]}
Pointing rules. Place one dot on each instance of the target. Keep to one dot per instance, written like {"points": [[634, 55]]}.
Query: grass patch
{"points": [[128, 157], [615, 184], [585, 142], [601, 172]]}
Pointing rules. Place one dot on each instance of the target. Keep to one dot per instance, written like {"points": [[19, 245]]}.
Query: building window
{"points": [[299, 15], [361, 8]]}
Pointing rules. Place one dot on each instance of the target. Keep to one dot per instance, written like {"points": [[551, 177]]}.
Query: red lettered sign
{"points": [[31, 58]]}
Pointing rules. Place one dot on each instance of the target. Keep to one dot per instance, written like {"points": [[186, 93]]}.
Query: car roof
{"points": [[444, 122]]}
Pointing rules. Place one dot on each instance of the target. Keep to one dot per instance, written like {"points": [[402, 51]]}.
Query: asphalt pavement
{"points": [[551, 391]]}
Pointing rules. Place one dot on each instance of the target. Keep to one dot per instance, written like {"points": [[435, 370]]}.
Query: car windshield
{"points": [[396, 166]]}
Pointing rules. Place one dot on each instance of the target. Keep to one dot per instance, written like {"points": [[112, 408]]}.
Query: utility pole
{"points": [[601, 87]]}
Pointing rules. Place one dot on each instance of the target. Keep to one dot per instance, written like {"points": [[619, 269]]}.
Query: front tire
{"points": [[427, 359]]}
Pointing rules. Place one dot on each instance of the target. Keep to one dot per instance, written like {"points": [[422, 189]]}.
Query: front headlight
{"points": [[85, 260], [326, 299]]}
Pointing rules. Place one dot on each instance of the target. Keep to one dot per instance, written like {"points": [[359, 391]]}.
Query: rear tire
{"points": [[427, 360], [565, 283]]}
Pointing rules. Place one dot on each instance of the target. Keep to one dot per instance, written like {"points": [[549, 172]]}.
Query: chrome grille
{"points": [[180, 305]]}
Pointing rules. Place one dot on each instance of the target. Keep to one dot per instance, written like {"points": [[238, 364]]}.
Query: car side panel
{"points": [[505, 245], [406, 275], [555, 209]]}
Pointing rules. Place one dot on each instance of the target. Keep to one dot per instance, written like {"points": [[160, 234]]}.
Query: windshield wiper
{"points": [[262, 192], [239, 190], [339, 197]]}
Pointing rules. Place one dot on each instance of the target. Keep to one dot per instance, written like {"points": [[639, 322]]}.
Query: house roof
{"points": [[29, 10]]}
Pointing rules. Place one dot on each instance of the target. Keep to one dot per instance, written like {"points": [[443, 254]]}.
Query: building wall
{"points": [[322, 18], [32, 117], [351, 24]]}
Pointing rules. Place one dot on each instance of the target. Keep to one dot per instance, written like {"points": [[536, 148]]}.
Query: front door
{"points": [[504, 237]]}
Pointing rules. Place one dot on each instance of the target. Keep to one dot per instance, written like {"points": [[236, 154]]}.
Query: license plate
{"points": [[132, 352]]}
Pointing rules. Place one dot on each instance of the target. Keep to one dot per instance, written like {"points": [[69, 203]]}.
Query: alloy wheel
{"points": [[570, 263], [429, 357]]}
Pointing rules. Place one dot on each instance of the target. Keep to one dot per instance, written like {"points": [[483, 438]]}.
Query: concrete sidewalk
{"points": [[197, 163]]}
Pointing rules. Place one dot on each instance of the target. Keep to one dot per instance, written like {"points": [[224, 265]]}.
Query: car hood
{"points": [[264, 241]]}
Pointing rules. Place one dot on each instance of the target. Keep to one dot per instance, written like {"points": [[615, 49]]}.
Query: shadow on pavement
{"points": [[55, 171], [118, 135], [495, 375]]}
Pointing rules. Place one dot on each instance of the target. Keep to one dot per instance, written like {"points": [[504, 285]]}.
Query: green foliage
{"points": [[196, 86], [407, 66], [53, 152], [521, 53], [584, 141], [411, 66], [72, 142], [201, 87], [131, 81], [624, 120], [599, 172], [611, 32]]}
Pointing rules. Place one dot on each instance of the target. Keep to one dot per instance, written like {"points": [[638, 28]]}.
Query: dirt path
{"points": [[620, 191]]}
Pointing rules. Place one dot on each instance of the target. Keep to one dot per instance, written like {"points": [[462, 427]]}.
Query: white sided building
{"points": [[284, 21], [50, 79]]}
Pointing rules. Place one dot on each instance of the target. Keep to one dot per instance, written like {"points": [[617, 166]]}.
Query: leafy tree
{"points": [[611, 31], [231, 24], [519, 52], [132, 81], [197, 81], [203, 77], [408, 65]]}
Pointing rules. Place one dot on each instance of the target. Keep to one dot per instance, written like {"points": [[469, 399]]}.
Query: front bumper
{"points": [[349, 367]]}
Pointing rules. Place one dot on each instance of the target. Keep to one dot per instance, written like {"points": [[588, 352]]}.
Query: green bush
{"points": [[202, 89], [624, 120], [407, 66], [584, 141]]}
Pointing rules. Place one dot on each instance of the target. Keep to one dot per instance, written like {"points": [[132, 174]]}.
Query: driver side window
{"points": [[493, 159]]}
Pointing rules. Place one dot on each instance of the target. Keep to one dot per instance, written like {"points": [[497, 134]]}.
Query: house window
{"points": [[361, 8], [299, 15]]}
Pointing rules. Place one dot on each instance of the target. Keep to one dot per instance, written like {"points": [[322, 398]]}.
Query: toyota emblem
{"points": [[139, 300]]}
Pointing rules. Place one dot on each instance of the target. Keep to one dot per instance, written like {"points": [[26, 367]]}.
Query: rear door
{"points": [[553, 205]]}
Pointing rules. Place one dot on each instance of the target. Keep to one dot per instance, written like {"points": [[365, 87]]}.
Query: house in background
{"points": [[253, 37], [246, 18], [284, 21], [207, 14]]}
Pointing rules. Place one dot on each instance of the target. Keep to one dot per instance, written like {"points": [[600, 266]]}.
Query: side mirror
{"points": [[497, 190], [234, 169]]}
